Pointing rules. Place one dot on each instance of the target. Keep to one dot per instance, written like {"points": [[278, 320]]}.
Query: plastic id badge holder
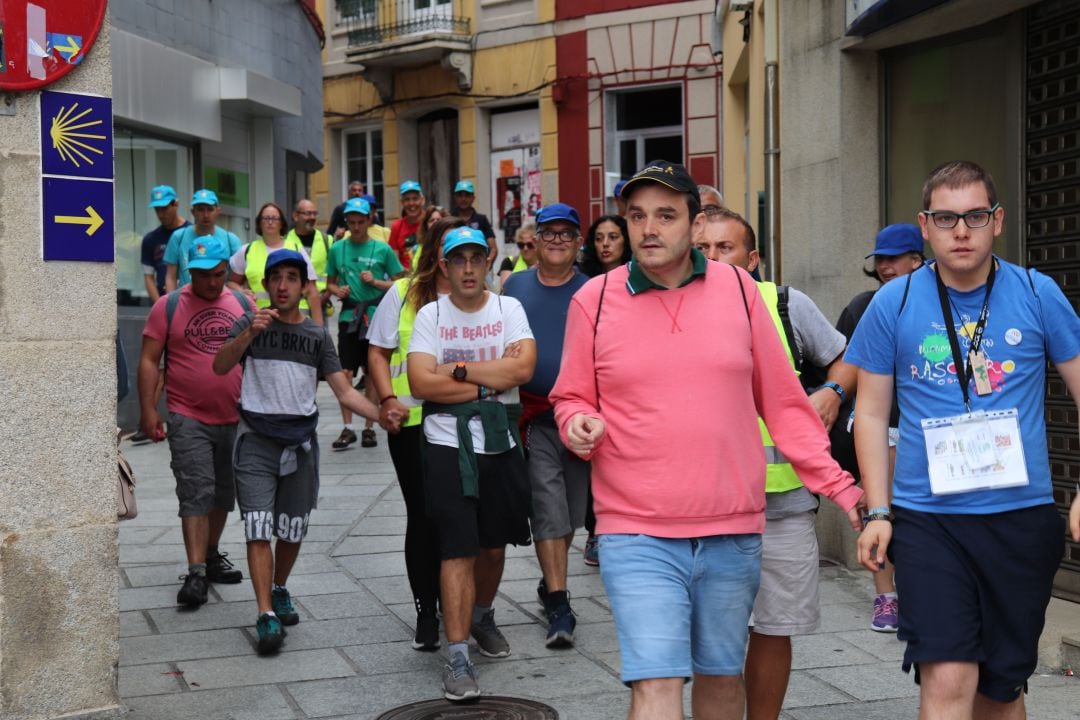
{"points": [[977, 451]]}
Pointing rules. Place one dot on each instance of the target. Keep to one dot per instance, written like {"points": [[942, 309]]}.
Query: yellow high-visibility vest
{"points": [[779, 475], [255, 259]]}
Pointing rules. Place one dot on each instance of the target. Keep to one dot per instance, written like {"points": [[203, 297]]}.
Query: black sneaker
{"points": [[367, 438], [283, 607], [427, 632], [193, 593], [219, 569], [271, 634], [344, 440], [561, 624], [139, 438]]}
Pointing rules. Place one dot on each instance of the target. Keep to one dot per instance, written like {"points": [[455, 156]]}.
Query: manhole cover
{"points": [[486, 708]]}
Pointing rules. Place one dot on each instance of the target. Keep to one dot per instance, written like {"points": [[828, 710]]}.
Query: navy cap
{"points": [[617, 192], [558, 211], [668, 174], [288, 257], [898, 239], [370, 199]]}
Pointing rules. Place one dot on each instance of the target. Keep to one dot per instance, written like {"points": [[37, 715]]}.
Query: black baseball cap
{"points": [[668, 174]]}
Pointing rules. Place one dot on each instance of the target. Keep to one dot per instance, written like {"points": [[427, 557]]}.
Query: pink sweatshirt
{"points": [[682, 378]]}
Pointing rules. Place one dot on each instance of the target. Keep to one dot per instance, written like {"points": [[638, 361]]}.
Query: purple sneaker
{"points": [[886, 614]]}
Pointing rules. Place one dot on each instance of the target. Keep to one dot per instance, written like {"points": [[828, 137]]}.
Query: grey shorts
{"points": [[202, 465], [787, 600], [560, 485], [272, 504]]}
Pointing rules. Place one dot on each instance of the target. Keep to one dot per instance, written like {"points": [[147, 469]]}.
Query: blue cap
{"points": [[357, 205], [617, 192], [162, 196], [207, 252], [204, 197], [463, 236], [290, 257], [465, 186], [898, 239], [411, 186], [558, 211], [370, 199]]}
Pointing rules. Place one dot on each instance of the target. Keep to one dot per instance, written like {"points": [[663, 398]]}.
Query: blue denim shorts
{"points": [[681, 606]]}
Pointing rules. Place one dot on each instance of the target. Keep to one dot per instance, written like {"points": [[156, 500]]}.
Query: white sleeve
{"points": [[517, 322], [238, 261], [425, 332], [383, 330], [311, 274]]}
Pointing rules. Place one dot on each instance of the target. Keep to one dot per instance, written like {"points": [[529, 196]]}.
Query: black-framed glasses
{"points": [[558, 236], [270, 218], [974, 219]]}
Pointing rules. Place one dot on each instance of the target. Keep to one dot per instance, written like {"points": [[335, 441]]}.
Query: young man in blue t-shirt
{"points": [[973, 531], [167, 208]]}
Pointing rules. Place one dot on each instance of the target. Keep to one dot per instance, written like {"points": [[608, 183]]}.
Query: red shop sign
{"points": [[43, 40]]}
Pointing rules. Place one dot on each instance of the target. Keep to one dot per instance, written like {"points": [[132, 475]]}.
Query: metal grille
{"points": [[1052, 189], [373, 22]]}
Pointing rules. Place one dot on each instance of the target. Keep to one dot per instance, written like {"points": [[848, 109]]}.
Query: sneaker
{"points": [[344, 440], [193, 594], [561, 624], [489, 639], [459, 679], [542, 593], [592, 551], [271, 634], [283, 607], [886, 617], [220, 570], [139, 437], [367, 438], [426, 638]]}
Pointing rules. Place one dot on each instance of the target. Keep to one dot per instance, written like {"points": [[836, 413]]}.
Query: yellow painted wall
{"points": [[744, 82]]}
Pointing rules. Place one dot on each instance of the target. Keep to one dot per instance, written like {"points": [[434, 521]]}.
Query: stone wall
{"points": [[59, 624]]}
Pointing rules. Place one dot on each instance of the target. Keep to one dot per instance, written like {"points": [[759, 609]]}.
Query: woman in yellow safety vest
{"points": [[388, 336], [525, 238], [248, 266], [432, 214]]}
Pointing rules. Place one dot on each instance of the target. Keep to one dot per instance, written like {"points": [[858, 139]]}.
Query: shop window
{"points": [[141, 162], [363, 161], [644, 124]]}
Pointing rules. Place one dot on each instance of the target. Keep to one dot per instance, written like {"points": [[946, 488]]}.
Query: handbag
{"points": [[126, 509]]}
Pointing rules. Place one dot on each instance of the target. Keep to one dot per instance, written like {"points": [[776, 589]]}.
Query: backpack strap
{"points": [[907, 288], [596, 324], [782, 294], [742, 291], [171, 301]]}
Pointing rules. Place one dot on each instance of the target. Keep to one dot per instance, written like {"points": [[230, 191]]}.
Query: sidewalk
{"points": [[350, 656]]}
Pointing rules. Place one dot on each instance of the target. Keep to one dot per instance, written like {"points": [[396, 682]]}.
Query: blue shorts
{"points": [[974, 588], [681, 606]]}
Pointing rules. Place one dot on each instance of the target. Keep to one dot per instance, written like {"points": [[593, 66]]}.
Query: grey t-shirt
{"points": [[282, 365], [819, 343]]}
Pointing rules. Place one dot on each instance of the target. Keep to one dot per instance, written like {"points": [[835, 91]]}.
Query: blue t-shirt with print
{"points": [[179, 247], [546, 308], [153, 253], [1029, 322]]}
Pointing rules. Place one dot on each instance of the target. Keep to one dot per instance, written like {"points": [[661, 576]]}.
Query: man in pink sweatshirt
{"points": [[663, 398]]}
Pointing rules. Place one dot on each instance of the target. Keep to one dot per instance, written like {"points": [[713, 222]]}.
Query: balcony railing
{"points": [[375, 22]]}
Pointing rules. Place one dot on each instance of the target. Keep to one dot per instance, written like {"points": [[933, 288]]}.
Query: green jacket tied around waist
{"points": [[497, 419]]}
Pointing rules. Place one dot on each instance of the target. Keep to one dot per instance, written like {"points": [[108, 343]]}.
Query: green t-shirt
{"points": [[347, 259]]}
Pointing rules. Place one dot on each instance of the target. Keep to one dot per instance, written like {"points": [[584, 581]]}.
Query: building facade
{"points": [[208, 94], [533, 100], [870, 97]]}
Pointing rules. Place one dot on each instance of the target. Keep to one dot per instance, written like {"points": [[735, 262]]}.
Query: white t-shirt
{"points": [[452, 335], [383, 330]]}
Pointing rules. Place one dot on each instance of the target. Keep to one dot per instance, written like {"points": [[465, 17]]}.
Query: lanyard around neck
{"points": [[963, 369]]}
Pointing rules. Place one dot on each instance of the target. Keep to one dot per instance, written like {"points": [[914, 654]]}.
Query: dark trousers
{"points": [[422, 558]]}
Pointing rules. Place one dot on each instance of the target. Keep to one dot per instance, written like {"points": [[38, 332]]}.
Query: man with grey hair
{"points": [[711, 199]]}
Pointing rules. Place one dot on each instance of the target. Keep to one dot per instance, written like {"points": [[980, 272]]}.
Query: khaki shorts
{"points": [[787, 601]]}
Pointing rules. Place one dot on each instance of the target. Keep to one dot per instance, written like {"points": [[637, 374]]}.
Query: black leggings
{"points": [[422, 558]]}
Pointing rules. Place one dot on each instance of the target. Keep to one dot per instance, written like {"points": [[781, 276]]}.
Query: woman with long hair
{"points": [[248, 265], [607, 245], [432, 214], [388, 336]]}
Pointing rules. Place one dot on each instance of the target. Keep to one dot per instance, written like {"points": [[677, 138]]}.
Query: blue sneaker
{"points": [[271, 634], [592, 551], [283, 607], [561, 624]]}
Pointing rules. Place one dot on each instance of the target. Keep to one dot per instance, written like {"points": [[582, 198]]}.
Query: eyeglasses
{"points": [[973, 218], [557, 237], [526, 246], [313, 213], [270, 218], [711, 209], [460, 261]]}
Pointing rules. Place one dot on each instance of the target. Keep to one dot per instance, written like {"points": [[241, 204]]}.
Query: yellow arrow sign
{"points": [[92, 221], [72, 47]]}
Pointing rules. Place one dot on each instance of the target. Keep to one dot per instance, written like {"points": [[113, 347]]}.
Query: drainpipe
{"points": [[772, 143]]}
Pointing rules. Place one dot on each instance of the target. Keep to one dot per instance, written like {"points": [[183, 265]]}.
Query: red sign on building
{"points": [[43, 40]]}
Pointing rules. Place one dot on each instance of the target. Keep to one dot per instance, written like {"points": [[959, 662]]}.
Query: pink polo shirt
{"points": [[679, 378]]}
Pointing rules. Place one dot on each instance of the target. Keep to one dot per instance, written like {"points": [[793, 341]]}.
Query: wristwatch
{"points": [[460, 372], [835, 387]]}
